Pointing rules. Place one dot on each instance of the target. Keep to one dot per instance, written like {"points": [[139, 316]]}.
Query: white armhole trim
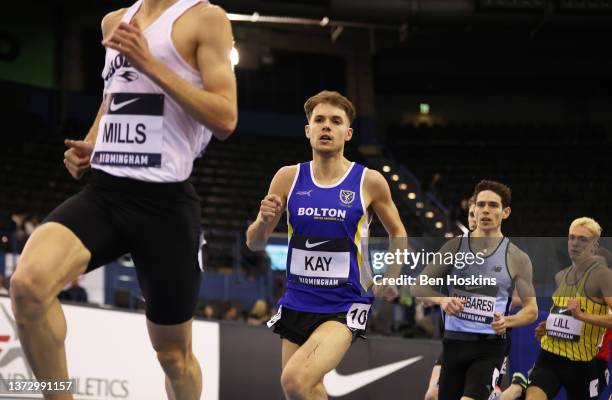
{"points": [[365, 211], [297, 174]]}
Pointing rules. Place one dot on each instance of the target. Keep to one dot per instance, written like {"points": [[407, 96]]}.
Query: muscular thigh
{"points": [[52, 257], [76, 237], [288, 350], [92, 217], [321, 353]]}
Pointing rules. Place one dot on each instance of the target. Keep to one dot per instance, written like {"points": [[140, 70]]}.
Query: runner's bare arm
{"points": [[271, 208], [520, 265], [382, 203], [109, 22], [432, 294], [602, 278], [77, 157], [215, 106], [379, 198], [93, 130]]}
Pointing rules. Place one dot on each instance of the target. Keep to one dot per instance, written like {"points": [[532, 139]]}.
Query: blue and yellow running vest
{"points": [[326, 224]]}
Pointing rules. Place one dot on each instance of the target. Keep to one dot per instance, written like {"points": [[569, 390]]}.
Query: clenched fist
{"points": [[270, 208], [499, 324], [452, 305], [540, 330], [387, 292], [76, 158]]}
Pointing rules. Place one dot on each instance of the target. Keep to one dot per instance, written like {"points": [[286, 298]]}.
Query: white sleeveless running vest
{"points": [[145, 134]]}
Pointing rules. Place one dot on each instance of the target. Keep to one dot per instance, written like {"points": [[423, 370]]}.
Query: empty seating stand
{"points": [[557, 172]]}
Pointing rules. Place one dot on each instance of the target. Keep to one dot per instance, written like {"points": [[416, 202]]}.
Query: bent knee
{"points": [[293, 386], [28, 294], [173, 362]]}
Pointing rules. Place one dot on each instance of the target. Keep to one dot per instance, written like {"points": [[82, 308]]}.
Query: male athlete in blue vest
{"points": [[329, 203]]}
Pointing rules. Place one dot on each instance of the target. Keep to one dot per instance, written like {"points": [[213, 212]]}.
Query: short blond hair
{"points": [[590, 224]]}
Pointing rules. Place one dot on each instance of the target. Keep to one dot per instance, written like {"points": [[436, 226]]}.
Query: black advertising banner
{"points": [[376, 368]]}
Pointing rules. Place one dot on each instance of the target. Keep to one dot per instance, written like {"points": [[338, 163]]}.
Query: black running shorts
{"points": [[297, 326], [582, 380], [157, 223], [470, 368]]}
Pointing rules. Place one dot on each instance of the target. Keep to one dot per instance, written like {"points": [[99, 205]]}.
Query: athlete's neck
{"points": [[494, 233], [328, 170], [152, 7], [487, 241], [582, 265]]}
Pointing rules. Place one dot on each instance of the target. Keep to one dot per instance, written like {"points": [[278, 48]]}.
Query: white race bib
{"points": [[320, 262], [477, 308], [563, 327], [357, 316], [130, 134]]}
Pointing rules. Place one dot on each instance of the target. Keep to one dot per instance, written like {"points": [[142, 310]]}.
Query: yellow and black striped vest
{"points": [[587, 346]]}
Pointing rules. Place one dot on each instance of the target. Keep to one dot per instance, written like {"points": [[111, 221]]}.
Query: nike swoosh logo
{"points": [[118, 106], [340, 385], [311, 245]]}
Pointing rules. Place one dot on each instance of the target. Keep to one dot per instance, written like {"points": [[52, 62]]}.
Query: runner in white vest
{"points": [[168, 87]]}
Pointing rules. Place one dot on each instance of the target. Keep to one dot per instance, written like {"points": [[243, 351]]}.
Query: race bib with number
{"points": [[357, 316], [561, 324], [130, 134], [479, 303], [319, 261], [275, 317]]}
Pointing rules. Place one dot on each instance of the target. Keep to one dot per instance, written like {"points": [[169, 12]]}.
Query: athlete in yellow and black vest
{"points": [[577, 322]]}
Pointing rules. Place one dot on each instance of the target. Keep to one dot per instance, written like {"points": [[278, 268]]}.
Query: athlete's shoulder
{"points": [[287, 171], [600, 269], [452, 245], [374, 181], [283, 179], [564, 270], [518, 262], [112, 20], [602, 262], [559, 275], [211, 17], [211, 26], [602, 275], [515, 254], [212, 12], [373, 175]]}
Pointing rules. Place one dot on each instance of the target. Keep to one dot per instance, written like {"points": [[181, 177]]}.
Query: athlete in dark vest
{"points": [[329, 203]]}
